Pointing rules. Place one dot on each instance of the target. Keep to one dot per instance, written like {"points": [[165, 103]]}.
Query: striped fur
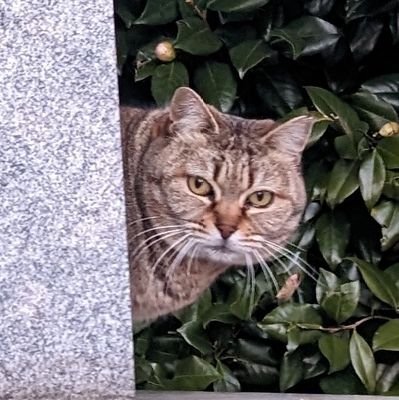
{"points": [[238, 157]]}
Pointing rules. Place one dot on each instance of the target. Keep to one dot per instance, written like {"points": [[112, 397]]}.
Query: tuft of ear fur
{"points": [[188, 112], [291, 136]]}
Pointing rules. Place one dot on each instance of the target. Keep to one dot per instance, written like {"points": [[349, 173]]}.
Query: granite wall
{"points": [[65, 318]]}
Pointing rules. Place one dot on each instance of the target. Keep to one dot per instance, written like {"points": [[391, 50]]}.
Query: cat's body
{"points": [[205, 191]]}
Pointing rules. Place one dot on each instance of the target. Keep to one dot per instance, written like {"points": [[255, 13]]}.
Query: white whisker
{"points": [[306, 268], [267, 272], [156, 228], [170, 248], [301, 249], [161, 236], [191, 260], [251, 278], [136, 221], [181, 254]]}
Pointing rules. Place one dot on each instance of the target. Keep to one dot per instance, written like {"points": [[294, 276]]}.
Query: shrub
{"points": [[338, 333]]}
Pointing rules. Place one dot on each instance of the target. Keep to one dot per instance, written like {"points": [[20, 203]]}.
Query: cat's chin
{"points": [[222, 256]]}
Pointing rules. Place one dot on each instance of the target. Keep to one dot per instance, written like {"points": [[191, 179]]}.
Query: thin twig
{"points": [[345, 327]]}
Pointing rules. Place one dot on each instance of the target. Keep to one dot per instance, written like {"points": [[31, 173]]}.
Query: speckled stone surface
{"points": [[65, 322]]}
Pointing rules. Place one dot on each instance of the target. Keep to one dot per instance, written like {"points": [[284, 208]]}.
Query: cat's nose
{"points": [[226, 230]]}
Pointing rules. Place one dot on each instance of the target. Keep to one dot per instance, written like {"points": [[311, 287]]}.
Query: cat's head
{"points": [[232, 186]]}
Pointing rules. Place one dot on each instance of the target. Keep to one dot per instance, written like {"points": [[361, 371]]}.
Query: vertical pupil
{"points": [[259, 196], [198, 182]]}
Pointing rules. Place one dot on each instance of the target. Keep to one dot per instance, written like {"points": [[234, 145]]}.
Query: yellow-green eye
{"points": [[260, 199], [199, 186]]}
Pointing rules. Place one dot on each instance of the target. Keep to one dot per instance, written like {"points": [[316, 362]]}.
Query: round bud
{"points": [[165, 51], [389, 129]]}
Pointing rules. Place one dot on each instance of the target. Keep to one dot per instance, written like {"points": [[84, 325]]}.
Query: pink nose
{"points": [[226, 230]]}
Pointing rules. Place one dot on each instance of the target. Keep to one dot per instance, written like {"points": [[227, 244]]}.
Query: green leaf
{"points": [[250, 373], [232, 34], [332, 235], [386, 87], [367, 245], [166, 348], [195, 335], [187, 8], [166, 79], [318, 130], [125, 11], [228, 382], [388, 379], [219, 313], [122, 49], [342, 382], [363, 361], [373, 110], [292, 313], [393, 273], [195, 37], [378, 282], [308, 35], [256, 351], [216, 84], [391, 185], [357, 9], [334, 108], [248, 54], [338, 300], [145, 71], [336, 349], [244, 297], [314, 364], [297, 336], [393, 391], [316, 178], [197, 311], [387, 336], [141, 342], [157, 380], [394, 27], [278, 322], [343, 182], [364, 37], [292, 370], [386, 213], [158, 12], [235, 5], [388, 148], [319, 7], [327, 282], [193, 373], [142, 370], [371, 178], [345, 147], [278, 91]]}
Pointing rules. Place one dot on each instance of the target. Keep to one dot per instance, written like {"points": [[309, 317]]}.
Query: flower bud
{"points": [[165, 51], [389, 129]]}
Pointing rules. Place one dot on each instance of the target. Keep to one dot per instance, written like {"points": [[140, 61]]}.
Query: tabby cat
{"points": [[205, 191]]}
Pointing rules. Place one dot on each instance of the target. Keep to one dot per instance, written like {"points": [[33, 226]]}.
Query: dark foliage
{"points": [[339, 332]]}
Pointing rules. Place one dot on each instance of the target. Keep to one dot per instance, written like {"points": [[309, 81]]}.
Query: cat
{"points": [[205, 191]]}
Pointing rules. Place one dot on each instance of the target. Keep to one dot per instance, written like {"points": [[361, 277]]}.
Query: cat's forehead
{"points": [[233, 169], [240, 136]]}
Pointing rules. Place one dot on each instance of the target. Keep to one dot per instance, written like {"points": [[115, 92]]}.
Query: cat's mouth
{"points": [[223, 249], [224, 254]]}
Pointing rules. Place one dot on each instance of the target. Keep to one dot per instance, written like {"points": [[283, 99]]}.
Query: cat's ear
{"points": [[189, 112], [291, 136]]}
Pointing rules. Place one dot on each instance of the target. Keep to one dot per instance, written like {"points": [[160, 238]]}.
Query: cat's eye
{"points": [[199, 186], [260, 199]]}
